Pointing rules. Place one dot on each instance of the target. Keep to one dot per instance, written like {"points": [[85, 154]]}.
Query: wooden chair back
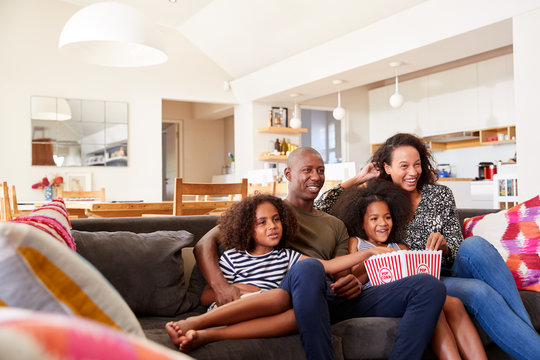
{"points": [[269, 188], [82, 195], [5, 207], [203, 193]]}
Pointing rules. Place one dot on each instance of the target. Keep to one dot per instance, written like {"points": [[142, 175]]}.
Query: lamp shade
{"points": [[396, 100], [112, 34], [45, 108]]}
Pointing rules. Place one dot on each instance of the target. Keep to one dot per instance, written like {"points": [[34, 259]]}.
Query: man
{"points": [[418, 299]]}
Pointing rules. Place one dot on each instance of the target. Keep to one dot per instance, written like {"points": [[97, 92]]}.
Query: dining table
{"points": [[88, 209]]}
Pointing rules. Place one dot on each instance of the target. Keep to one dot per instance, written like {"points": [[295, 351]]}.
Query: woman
{"points": [[480, 278]]}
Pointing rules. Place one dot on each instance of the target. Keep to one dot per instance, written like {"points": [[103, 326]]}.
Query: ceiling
{"points": [[245, 36]]}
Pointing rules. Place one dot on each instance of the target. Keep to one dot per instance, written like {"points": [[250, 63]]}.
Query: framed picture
{"points": [[78, 182], [280, 117]]}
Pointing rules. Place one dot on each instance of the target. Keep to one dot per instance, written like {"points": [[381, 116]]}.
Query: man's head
{"points": [[305, 173]]}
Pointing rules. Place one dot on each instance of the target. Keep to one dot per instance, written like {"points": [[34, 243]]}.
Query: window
{"points": [[324, 134]]}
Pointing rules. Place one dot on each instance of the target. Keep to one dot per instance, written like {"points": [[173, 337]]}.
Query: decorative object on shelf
{"points": [[339, 112], [295, 122], [112, 34], [78, 181], [48, 186], [232, 167], [279, 116], [396, 100]]}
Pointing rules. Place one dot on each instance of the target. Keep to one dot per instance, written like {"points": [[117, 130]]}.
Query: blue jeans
{"points": [[485, 285], [418, 300]]}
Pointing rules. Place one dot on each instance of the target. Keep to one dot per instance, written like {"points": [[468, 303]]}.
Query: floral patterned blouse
{"points": [[436, 212]]}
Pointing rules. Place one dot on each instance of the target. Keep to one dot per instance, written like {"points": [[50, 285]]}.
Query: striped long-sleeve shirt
{"points": [[264, 271]]}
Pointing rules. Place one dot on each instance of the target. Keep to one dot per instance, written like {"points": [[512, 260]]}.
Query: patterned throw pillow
{"points": [[31, 335], [515, 233], [39, 272]]}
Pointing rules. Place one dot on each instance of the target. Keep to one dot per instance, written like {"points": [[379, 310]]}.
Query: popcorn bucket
{"points": [[385, 268]]}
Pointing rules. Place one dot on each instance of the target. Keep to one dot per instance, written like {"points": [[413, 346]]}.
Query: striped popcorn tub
{"points": [[386, 268]]}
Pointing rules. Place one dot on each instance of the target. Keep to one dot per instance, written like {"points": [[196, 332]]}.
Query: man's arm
{"points": [[206, 254]]}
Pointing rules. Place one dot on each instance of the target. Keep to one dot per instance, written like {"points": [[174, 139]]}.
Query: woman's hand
{"points": [[436, 241], [368, 172]]}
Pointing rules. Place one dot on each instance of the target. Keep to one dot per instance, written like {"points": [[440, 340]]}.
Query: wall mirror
{"points": [[75, 132]]}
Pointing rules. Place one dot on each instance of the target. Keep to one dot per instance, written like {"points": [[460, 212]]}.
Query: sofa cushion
{"points": [[39, 272], [31, 335], [146, 269], [515, 233]]}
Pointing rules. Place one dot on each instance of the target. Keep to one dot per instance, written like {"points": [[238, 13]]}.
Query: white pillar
{"points": [[526, 28]]}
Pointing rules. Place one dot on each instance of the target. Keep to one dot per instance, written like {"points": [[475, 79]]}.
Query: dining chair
{"points": [[82, 195], [269, 188], [5, 207], [208, 197]]}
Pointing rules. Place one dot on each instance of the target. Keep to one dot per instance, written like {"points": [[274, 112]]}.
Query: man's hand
{"points": [[226, 294], [347, 286]]}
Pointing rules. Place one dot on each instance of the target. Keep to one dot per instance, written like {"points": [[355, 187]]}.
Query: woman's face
{"points": [[405, 167], [377, 223]]}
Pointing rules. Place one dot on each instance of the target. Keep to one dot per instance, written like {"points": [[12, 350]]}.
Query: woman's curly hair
{"points": [[352, 205], [237, 224], [384, 155]]}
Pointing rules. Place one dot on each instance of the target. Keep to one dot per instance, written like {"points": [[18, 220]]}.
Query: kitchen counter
{"points": [[454, 179]]}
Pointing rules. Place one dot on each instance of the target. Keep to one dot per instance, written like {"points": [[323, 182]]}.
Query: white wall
{"points": [[31, 64], [527, 88]]}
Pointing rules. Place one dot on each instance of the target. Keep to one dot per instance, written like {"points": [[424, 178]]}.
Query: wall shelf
{"points": [[485, 137], [272, 158], [281, 130]]}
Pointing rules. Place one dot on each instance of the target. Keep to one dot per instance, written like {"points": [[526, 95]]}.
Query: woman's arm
{"points": [[206, 254], [329, 197]]}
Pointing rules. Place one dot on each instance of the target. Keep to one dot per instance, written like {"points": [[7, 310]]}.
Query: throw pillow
{"points": [[38, 272], [515, 233], [31, 335], [53, 219], [146, 268]]}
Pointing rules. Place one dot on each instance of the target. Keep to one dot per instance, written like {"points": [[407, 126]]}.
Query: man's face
{"points": [[306, 176]]}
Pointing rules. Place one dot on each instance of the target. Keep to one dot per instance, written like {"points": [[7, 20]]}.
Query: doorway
{"points": [[171, 155]]}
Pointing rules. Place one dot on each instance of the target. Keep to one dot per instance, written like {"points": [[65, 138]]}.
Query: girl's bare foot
{"points": [[174, 332], [192, 340]]}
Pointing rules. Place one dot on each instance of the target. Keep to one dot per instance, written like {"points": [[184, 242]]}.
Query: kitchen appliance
{"points": [[486, 170], [445, 170]]}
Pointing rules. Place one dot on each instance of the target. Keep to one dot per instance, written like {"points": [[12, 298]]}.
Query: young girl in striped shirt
{"points": [[376, 216], [255, 233]]}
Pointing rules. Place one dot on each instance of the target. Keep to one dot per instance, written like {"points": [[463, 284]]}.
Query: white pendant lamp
{"points": [[49, 108], [295, 122], [112, 34], [339, 112], [396, 100]]}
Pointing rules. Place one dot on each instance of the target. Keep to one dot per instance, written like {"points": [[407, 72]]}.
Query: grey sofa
{"points": [[155, 284]]}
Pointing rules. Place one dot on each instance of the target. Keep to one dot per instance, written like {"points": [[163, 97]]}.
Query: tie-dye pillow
{"points": [[40, 271], [515, 233], [32, 335]]}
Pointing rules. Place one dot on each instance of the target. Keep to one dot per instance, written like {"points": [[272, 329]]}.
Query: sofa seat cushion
{"points": [[31, 335], [146, 269]]}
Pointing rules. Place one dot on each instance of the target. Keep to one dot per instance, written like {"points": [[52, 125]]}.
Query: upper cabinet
{"points": [[475, 96]]}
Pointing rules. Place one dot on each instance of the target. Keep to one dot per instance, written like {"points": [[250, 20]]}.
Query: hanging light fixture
{"points": [[339, 112], [396, 100], [296, 122], [112, 34], [49, 108]]}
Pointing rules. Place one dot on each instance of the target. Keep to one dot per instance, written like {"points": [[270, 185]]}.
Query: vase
{"points": [[48, 193]]}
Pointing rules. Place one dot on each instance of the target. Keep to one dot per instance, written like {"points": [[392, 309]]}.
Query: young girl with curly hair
{"points": [[376, 215], [255, 233]]}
